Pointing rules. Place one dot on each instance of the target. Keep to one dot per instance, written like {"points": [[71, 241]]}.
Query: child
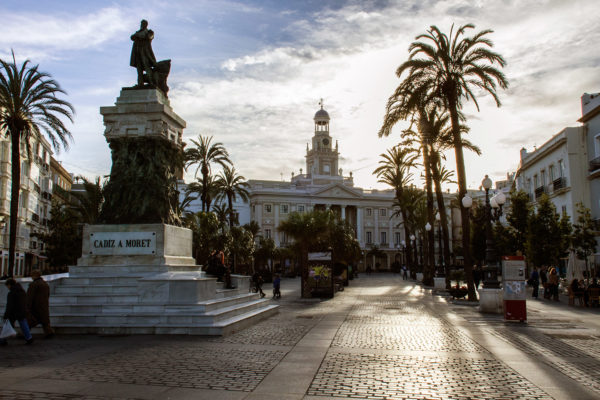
{"points": [[276, 286]]}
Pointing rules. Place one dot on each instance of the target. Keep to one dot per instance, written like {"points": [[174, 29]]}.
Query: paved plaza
{"points": [[381, 338]]}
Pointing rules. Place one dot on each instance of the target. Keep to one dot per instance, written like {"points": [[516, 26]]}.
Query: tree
{"points": [[583, 240], [230, 186], [204, 154], [518, 219], [63, 241], [447, 69], [394, 170], [545, 243], [306, 229], [29, 105], [242, 246], [88, 204]]}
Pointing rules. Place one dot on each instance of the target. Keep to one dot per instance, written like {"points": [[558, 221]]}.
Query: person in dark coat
{"points": [[38, 295], [535, 282], [16, 309]]}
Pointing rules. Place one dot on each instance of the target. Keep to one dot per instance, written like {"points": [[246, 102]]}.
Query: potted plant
{"points": [[457, 291]]}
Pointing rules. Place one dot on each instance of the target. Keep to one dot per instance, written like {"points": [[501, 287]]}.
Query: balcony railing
{"points": [[594, 164], [539, 192], [559, 183], [35, 217]]}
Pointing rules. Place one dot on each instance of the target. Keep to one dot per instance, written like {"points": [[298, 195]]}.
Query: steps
{"points": [[102, 300]]}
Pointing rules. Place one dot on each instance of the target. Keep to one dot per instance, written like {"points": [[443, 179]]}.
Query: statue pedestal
{"points": [[490, 300]]}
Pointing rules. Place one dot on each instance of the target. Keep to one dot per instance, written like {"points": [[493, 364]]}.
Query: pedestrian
{"points": [[277, 287], [553, 284], [38, 295], [258, 281], [476, 276], [544, 280], [369, 269], [404, 272], [16, 309], [535, 282]]}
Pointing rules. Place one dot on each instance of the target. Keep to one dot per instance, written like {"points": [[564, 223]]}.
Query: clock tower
{"points": [[322, 158]]}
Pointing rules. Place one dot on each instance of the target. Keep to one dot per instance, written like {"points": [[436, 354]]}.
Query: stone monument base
{"points": [[142, 279], [490, 300]]}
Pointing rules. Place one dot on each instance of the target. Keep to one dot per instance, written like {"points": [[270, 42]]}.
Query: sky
{"points": [[251, 73]]}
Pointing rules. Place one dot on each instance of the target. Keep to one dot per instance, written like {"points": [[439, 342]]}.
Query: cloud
{"points": [[49, 35]]}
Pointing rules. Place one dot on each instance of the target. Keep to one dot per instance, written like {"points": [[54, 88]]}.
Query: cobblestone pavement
{"points": [[394, 340]]}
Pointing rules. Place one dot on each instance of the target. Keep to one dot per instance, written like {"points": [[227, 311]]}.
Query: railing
{"points": [[594, 164], [36, 187], [35, 217], [47, 195], [559, 183], [539, 192]]}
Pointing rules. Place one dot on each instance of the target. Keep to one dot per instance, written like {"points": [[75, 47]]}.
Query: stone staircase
{"points": [[98, 301]]}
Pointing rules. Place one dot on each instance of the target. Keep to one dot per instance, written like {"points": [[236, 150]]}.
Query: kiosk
{"points": [[513, 278]]}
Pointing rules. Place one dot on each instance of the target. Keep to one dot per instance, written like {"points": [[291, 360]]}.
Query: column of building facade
{"points": [[359, 226], [391, 237], [376, 226], [276, 225], [258, 208], [343, 207]]}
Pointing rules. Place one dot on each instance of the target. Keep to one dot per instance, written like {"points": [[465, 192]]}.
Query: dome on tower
{"points": [[321, 115]]}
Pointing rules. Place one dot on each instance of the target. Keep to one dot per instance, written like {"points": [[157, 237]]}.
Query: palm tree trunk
{"points": [[14, 198], [408, 248], [443, 220], [230, 203], [462, 191], [428, 272], [204, 195]]}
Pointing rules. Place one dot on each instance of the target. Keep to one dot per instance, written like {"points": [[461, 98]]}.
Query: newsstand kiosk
{"points": [[513, 279]]}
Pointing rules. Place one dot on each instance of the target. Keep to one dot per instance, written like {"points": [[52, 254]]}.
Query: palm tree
{"points": [[88, 203], [230, 185], [222, 213], [447, 69], [394, 170], [203, 155], [29, 105], [306, 229]]}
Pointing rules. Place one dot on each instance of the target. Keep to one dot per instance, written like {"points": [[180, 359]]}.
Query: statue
{"points": [[143, 59]]}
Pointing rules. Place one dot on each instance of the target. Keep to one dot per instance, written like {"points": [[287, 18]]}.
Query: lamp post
{"points": [[403, 252], [438, 218], [429, 262], [492, 212], [413, 270]]}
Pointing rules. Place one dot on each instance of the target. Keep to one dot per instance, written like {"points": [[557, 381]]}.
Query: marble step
{"points": [[224, 327], [144, 318], [94, 299], [104, 308], [140, 270], [101, 279], [110, 289]]}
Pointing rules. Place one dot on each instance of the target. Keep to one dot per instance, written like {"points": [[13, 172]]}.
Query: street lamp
{"points": [[492, 212], [438, 218], [403, 252]]}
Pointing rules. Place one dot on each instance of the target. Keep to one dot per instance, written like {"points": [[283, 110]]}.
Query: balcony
{"points": [[47, 195], [36, 187], [594, 164], [539, 192], [35, 218], [559, 183]]}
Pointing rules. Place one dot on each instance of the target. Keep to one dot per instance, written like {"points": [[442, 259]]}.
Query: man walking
{"points": [[38, 295], [535, 282]]}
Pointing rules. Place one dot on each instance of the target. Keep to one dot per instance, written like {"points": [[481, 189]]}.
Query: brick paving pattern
{"points": [[20, 395], [16, 354], [419, 377], [186, 364]]}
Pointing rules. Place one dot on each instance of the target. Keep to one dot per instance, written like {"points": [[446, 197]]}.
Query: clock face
{"points": [[325, 142]]}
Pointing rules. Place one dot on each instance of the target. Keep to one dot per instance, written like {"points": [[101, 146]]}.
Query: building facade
{"points": [[34, 204], [590, 118], [558, 168]]}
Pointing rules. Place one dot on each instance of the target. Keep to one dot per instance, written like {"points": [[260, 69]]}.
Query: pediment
{"points": [[336, 190]]}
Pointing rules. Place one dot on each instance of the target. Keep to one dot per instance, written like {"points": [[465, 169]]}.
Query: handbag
{"points": [[7, 330]]}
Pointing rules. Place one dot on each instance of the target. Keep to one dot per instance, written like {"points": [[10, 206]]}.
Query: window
{"points": [[284, 208], [397, 235], [543, 177], [267, 208], [300, 207], [369, 237], [284, 237], [535, 181], [267, 233], [383, 237], [561, 168], [369, 212], [551, 172], [597, 144], [382, 212], [564, 210], [326, 169]]}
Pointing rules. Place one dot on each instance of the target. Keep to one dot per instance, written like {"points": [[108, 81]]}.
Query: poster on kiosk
{"points": [[513, 278]]}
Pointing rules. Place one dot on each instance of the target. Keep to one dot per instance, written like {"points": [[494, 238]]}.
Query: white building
{"points": [[34, 207], [590, 117], [557, 168]]}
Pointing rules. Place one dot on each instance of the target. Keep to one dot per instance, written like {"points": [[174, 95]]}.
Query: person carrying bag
{"points": [[16, 309]]}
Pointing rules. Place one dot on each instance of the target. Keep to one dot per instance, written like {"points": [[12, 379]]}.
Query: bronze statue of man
{"points": [[142, 56]]}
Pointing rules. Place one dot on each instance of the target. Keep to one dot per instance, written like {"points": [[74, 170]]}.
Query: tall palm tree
{"points": [[394, 170], [29, 105], [230, 186], [447, 69], [204, 154], [88, 203]]}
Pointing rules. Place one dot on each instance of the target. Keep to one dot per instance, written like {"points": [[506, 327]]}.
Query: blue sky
{"points": [[251, 73]]}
